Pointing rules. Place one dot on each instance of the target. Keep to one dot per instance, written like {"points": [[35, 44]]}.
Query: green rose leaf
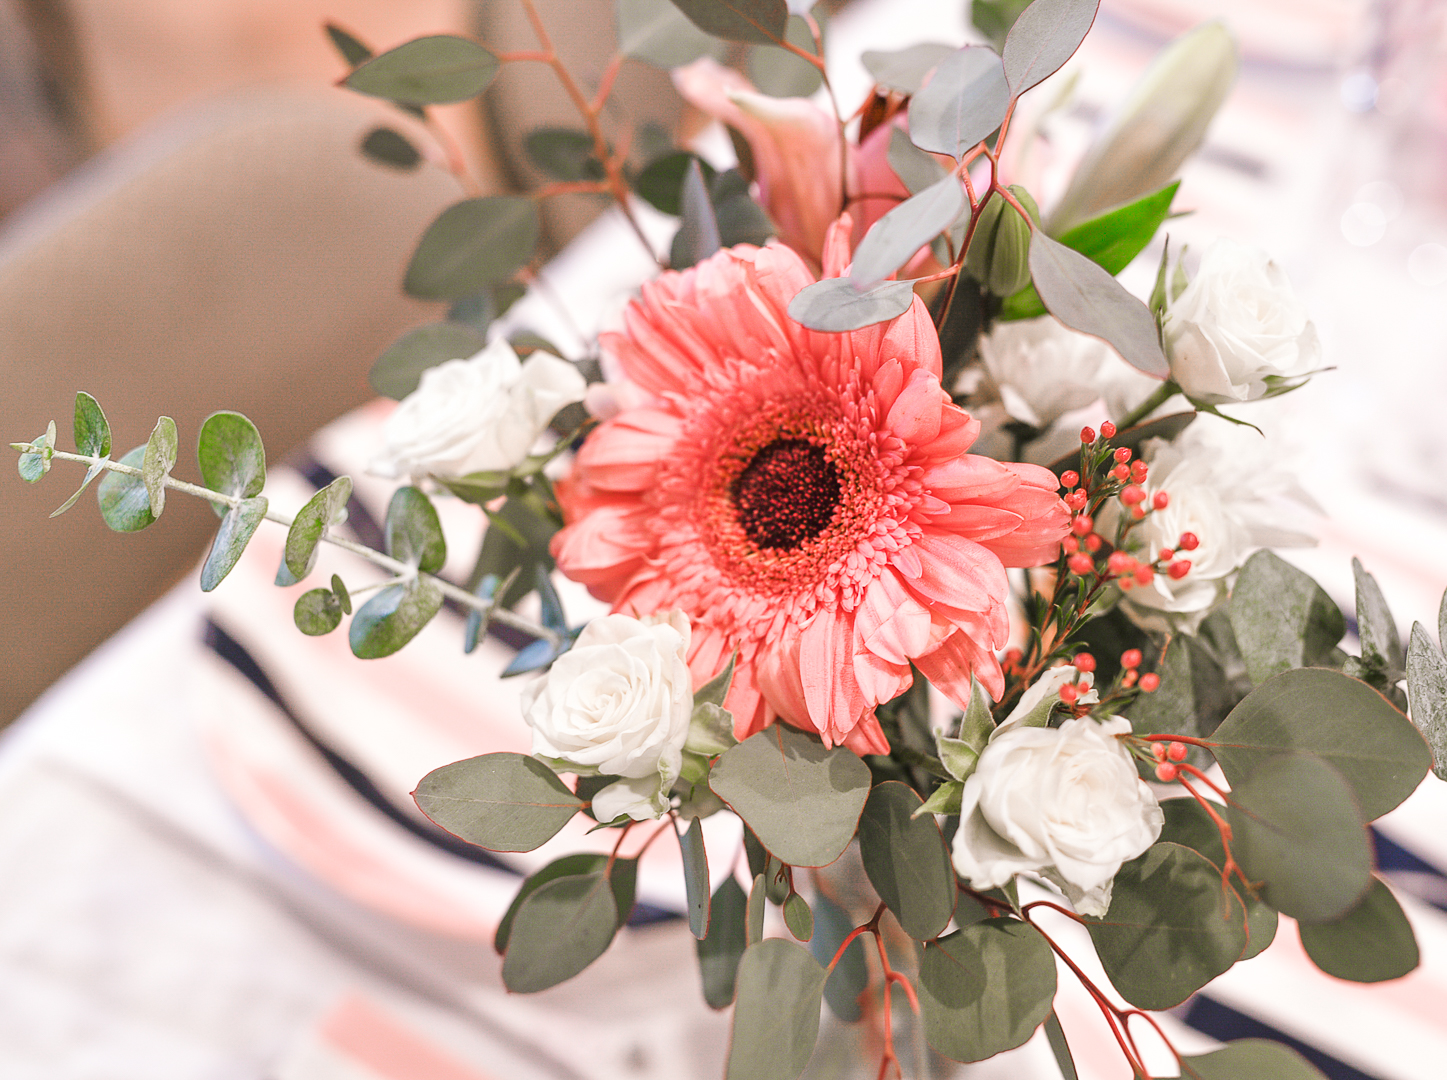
{"points": [[473, 244], [158, 461], [1297, 828], [1427, 688], [721, 949], [850, 976], [658, 33], [503, 802], [760, 21], [1085, 297], [695, 877], [398, 370], [324, 509], [834, 305], [92, 430], [1371, 943], [906, 860], [802, 801], [776, 1017], [558, 930], [36, 463], [1188, 824], [317, 612], [124, 502], [563, 153], [624, 881], [798, 917], [895, 237], [413, 532], [1282, 618], [1167, 933], [1342, 721], [985, 988], [962, 104], [1045, 35], [231, 457], [904, 69], [238, 526], [1254, 1058], [427, 71]]}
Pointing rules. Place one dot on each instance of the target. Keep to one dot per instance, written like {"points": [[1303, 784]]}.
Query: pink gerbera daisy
{"points": [[804, 497]]}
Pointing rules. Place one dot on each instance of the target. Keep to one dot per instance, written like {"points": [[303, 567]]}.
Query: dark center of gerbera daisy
{"points": [[787, 494]]}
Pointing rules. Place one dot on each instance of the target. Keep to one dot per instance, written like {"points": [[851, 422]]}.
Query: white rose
{"points": [[1236, 325], [1062, 802], [482, 414], [618, 703], [1042, 369], [1226, 485]]}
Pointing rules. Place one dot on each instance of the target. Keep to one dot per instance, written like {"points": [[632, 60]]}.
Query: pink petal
{"points": [[867, 738], [623, 454], [915, 414], [979, 523], [969, 478], [826, 667], [890, 623], [950, 666], [957, 572]]}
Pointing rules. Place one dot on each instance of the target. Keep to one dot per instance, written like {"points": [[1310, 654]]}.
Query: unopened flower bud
{"points": [[1160, 500], [1087, 435], [1107, 431], [1150, 682], [999, 255], [1080, 564], [1131, 658], [1084, 662], [1069, 478]]}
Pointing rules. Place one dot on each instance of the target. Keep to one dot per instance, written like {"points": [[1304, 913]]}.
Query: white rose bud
{"points": [[618, 703], [1237, 325], [1062, 802], [482, 414]]}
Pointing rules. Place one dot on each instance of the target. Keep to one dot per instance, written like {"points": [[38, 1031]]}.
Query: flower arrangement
{"points": [[870, 588]]}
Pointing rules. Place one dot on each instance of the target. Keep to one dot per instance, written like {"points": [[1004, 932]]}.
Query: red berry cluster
{"points": [[1169, 755]]}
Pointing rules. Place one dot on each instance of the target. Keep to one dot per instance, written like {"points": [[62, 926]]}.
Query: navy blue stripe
{"points": [[1210, 1017]]}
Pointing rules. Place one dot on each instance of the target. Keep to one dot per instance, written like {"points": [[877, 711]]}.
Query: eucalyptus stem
{"points": [[403, 571]]}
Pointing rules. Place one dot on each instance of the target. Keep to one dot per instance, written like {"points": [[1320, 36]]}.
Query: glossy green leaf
{"points": [[1297, 828], [1282, 618], [1342, 721], [158, 461], [351, 49], [904, 69], [1168, 931], [398, 370], [776, 1016], [503, 802], [893, 239], [391, 148], [1188, 824], [1085, 297], [798, 917], [760, 21], [1055, 1035], [695, 877], [324, 509], [779, 73], [317, 612], [92, 430], [834, 305], [906, 860], [563, 153], [698, 236], [413, 533], [231, 457], [238, 526], [624, 881], [427, 71], [1427, 689], [802, 801], [985, 988], [850, 976], [720, 951], [124, 503], [34, 464], [1250, 1059], [962, 104], [1045, 35], [473, 244], [1371, 943], [393, 617], [658, 33], [558, 930]]}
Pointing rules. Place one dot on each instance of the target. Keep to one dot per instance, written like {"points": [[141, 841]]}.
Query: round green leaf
{"points": [[563, 153], [310, 524], [1282, 619], [34, 464], [780, 73], [317, 612], [231, 456], [413, 531], [428, 71], [558, 931], [695, 877], [1188, 824], [1256, 1059], [906, 860], [398, 370], [1170, 929], [1296, 827], [393, 617], [92, 431], [985, 988], [904, 69], [624, 880], [473, 244], [1427, 689], [236, 531], [158, 460], [850, 977], [1339, 719], [1371, 943], [802, 801], [124, 502], [720, 950], [776, 1018], [834, 305], [503, 802]]}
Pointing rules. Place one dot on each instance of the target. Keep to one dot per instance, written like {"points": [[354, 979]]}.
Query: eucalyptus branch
{"points": [[403, 571]]}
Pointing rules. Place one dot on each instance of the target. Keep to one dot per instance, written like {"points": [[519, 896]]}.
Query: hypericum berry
{"points": [[1121, 472], [1069, 693], [1131, 658], [1120, 562], [1130, 494], [1160, 500], [1176, 751], [1166, 773], [1189, 541], [1080, 563], [1158, 751], [1069, 478], [1122, 455], [1179, 569], [1087, 435], [1082, 524], [1150, 682], [1128, 679], [1144, 573], [1071, 544], [1077, 499], [1107, 430], [1137, 512], [1083, 661], [1126, 584], [1093, 543], [1139, 470], [1166, 555]]}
